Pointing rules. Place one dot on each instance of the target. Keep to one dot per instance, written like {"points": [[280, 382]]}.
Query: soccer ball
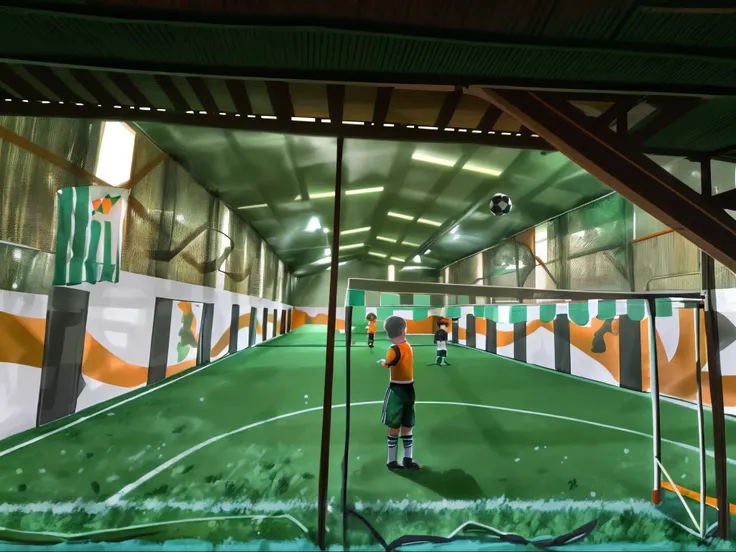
{"points": [[500, 205]]}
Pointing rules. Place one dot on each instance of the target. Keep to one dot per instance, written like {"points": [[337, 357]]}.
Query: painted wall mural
{"points": [[117, 342]]}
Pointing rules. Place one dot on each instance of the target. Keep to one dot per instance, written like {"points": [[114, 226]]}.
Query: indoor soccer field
{"points": [[230, 453]]}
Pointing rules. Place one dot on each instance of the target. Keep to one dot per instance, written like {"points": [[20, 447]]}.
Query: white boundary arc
{"points": [[115, 499]]}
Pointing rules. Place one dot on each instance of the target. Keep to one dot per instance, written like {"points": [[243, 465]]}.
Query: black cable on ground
{"points": [[544, 543]]}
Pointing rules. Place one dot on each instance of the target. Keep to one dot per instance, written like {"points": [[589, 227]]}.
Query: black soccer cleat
{"points": [[394, 466], [410, 464]]}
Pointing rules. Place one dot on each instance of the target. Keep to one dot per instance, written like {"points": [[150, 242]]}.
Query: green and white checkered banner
{"points": [[90, 228]]}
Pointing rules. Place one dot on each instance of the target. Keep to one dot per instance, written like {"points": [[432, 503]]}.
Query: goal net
{"points": [[545, 418]]}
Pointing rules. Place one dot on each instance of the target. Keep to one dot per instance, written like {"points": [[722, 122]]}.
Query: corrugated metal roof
{"points": [[596, 45]]}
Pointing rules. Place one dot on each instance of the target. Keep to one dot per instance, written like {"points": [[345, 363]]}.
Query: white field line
{"points": [[114, 499], [158, 524], [111, 407]]}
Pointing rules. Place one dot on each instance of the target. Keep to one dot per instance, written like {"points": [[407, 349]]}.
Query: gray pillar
{"points": [[562, 343], [491, 336], [629, 351], [158, 358], [252, 326], [264, 328], [234, 328], [455, 331], [61, 368], [470, 330], [204, 349], [283, 322], [520, 341]]}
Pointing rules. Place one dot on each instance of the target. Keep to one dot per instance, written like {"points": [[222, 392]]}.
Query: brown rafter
{"points": [[667, 113]]}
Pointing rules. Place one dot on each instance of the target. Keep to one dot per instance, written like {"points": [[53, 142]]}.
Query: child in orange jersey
{"points": [[371, 328], [398, 404]]}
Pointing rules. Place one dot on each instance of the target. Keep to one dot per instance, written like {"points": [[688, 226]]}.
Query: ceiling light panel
{"points": [[359, 191], [355, 230], [429, 222], [385, 239], [258, 206], [377, 254], [394, 214], [352, 246]]}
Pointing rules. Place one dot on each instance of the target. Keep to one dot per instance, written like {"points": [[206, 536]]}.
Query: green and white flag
{"points": [[89, 235]]}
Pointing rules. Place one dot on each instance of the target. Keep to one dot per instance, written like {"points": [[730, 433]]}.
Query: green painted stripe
{"points": [[420, 314], [663, 306], [547, 312], [108, 268], [82, 213], [635, 308], [94, 243], [421, 300], [384, 312], [478, 311], [517, 314], [606, 310], [453, 312], [390, 300], [492, 312], [356, 298], [63, 235], [579, 313]]}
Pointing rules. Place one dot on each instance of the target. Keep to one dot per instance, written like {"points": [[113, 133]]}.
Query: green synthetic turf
{"points": [[470, 453]]}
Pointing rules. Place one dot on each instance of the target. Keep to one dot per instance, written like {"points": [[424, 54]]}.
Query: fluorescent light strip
{"points": [[479, 169], [377, 254], [416, 267], [352, 246], [449, 163], [321, 195], [364, 191], [384, 238], [304, 119], [412, 244], [432, 159], [399, 215], [398, 259], [253, 206], [429, 222], [355, 230]]}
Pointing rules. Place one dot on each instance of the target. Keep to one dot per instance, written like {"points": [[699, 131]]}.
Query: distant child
{"points": [[398, 404], [440, 339], [371, 328]]}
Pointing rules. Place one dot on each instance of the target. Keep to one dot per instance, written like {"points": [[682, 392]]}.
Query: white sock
{"points": [[408, 445], [393, 440]]}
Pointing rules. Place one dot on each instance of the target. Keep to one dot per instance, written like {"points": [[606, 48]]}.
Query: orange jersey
{"points": [[400, 360], [372, 326]]}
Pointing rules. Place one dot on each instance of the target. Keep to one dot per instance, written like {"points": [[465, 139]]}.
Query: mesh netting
{"points": [[169, 228]]}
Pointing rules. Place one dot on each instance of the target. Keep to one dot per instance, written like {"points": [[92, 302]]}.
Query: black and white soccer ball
{"points": [[500, 205]]}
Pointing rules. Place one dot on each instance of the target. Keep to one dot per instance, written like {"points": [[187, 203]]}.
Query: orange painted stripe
{"points": [[710, 501], [650, 236]]}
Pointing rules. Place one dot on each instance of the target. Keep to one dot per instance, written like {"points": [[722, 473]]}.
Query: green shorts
{"points": [[398, 406]]}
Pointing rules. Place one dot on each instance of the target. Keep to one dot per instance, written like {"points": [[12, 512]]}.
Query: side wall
{"points": [[179, 242]]}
